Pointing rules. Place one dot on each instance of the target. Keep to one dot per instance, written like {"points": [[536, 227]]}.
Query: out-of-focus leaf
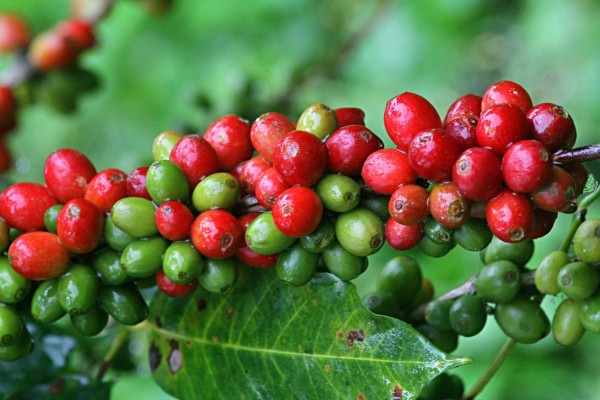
{"points": [[75, 387]]}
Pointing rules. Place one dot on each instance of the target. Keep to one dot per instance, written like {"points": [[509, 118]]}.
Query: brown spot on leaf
{"points": [[175, 360], [201, 305], [361, 397], [57, 387], [215, 339], [314, 302], [354, 335], [340, 335], [397, 395], [229, 313], [154, 357], [326, 368], [158, 322]]}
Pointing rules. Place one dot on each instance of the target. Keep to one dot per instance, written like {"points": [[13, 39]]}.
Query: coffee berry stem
{"points": [[579, 216], [578, 155], [120, 339]]}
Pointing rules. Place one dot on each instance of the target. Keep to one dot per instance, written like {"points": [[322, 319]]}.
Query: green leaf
{"points": [[271, 341]]}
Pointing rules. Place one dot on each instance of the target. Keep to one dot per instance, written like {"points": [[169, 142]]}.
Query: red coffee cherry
{"points": [[558, 193], [38, 255], [248, 256], [229, 136], [135, 183], [297, 211], [386, 169], [268, 187], [67, 173], [5, 156], [23, 205], [196, 158], [301, 158], [14, 33], [174, 289], [408, 114], [349, 147], [78, 33], [553, 126], [544, 221], [216, 234], [432, 154], [349, 116], [469, 104], [463, 129], [526, 165], [510, 216], [448, 206], [579, 174], [8, 109], [409, 204], [174, 220], [52, 50], [500, 125], [80, 226], [267, 130], [402, 237], [106, 188], [506, 92], [251, 171], [477, 174]]}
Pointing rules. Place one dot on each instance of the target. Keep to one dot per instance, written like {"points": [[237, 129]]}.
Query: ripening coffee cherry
{"points": [[506, 92], [218, 190], [318, 119], [295, 265], [526, 166], [546, 274], [463, 129], [216, 234], [437, 232], [518, 253], [174, 220], [196, 158], [468, 315], [360, 231], [386, 169], [510, 216], [67, 173], [544, 221], [401, 277], [378, 203], [91, 323], [339, 193], [220, 275], [264, 237], [248, 256], [107, 264], [269, 186], [51, 50], [473, 235], [115, 237], [173, 289], [522, 320], [301, 158], [344, 264], [142, 258], [578, 280], [409, 204], [500, 125], [266, 131], [182, 263], [78, 289], [79, 226], [135, 183], [566, 326], [435, 249], [297, 211], [106, 188], [586, 242], [19, 349], [22, 205], [135, 216], [163, 144], [11, 325], [13, 286], [448, 206], [498, 282], [349, 116], [589, 313], [349, 147], [477, 174], [557, 194], [402, 237], [553, 126], [14, 32], [38, 255], [124, 303], [250, 171], [229, 136], [321, 237], [469, 104], [166, 181], [45, 306], [432, 154]]}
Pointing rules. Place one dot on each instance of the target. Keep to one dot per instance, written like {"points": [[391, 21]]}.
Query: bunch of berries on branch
{"points": [[319, 193]]}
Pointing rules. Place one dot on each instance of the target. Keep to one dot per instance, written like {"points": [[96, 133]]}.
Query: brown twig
{"points": [[578, 155]]}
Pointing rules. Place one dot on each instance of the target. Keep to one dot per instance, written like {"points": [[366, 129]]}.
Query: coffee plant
{"points": [[234, 250]]}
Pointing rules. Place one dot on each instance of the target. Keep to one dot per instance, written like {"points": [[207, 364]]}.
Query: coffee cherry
{"points": [[124, 303], [381, 303], [78, 289], [578, 280], [579, 174], [264, 237], [14, 32], [268, 187], [38, 256], [229, 136], [434, 249], [339, 193], [107, 264], [50, 217], [446, 341], [23, 205], [557, 194], [437, 314], [518, 253], [135, 216], [11, 325], [469, 104], [401, 277], [166, 181], [344, 264], [500, 125], [79, 226], [409, 204], [219, 276], [468, 315], [566, 326], [173, 289], [248, 256], [402, 237], [522, 320], [301, 158], [182, 263], [321, 237], [463, 129], [437, 232], [349, 116], [378, 203], [78, 33], [589, 313], [295, 265], [526, 166], [216, 234], [359, 231], [553, 126], [546, 274], [218, 190], [506, 92], [425, 293], [115, 237], [8, 112], [406, 115], [45, 306], [510, 216], [349, 147], [386, 169], [52, 50], [142, 258], [297, 211], [473, 235], [586, 241], [250, 172], [443, 386], [544, 221], [196, 158], [318, 119], [498, 282], [67, 173], [448, 206], [106, 188], [135, 183], [432, 154], [19, 349], [266, 131], [477, 174], [91, 323], [174, 220], [163, 144]]}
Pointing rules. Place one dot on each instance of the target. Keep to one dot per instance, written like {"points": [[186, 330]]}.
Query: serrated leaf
{"points": [[266, 340]]}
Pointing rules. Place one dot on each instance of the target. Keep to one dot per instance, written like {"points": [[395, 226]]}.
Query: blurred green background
{"points": [[205, 59]]}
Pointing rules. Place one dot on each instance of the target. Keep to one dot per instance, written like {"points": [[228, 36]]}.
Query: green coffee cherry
{"points": [[166, 181], [578, 280], [107, 263], [566, 326], [522, 320], [360, 231], [19, 349], [13, 287], [295, 265], [402, 278], [45, 307], [437, 314], [50, 217], [473, 235], [468, 315], [443, 386], [518, 253], [339, 193], [78, 289], [425, 294], [318, 119], [498, 282], [219, 276], [586, 241], [263, 237], [433, 249], [218, 190], [342, 263], [143, 257], [446, 341], [546, 274], [124, 303], [90, 323], [116, 238], [135, 216], [182, 262], [381, 303], [163, 144], [320, 238], [438, 233], [589, 313], [377, 203], [11, 325]]}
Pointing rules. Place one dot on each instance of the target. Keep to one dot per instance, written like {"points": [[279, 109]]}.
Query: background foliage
{"points": [[207, 59]]}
